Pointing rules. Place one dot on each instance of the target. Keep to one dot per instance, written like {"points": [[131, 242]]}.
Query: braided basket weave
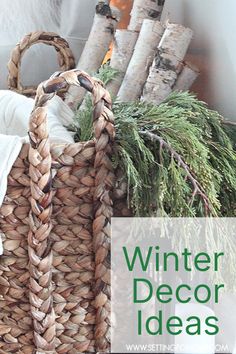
{"points": [[66, 62], [55, 222], [65, 58]]}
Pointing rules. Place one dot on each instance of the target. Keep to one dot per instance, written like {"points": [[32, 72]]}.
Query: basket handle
{"points": [[39, 249], [65, 58]]}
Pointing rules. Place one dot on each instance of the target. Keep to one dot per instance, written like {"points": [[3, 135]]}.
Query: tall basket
{"points": [[55, 222]]}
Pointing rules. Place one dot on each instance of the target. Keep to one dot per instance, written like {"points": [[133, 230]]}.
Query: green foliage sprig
{"points": [[177, 158]]}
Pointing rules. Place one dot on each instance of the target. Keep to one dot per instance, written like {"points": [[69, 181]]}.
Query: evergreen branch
{"points": [[228, 122], [198, 180], [197, 188]]}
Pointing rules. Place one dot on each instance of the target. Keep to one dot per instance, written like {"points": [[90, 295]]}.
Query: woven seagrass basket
{"points": [[65, 58], [55, 223], [66, 62]]}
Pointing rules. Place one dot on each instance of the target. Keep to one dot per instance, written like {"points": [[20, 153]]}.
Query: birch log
{"points": [[145, 9], [167, 63], [96, 47], [121, 55], [159, 85], [186, 78], [138, 69]]}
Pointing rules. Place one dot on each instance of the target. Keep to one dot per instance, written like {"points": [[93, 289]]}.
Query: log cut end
{"points": [[186, 78], [104, 9], [145, 9]]}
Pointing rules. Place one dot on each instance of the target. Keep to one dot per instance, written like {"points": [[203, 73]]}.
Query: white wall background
{"points": [[72, 19], [213, 48]]}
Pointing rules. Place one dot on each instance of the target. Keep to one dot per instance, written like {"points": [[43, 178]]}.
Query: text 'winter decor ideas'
{"points": [[169, 295]]}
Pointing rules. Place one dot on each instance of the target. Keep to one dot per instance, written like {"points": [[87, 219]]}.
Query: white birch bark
{"points": [[174, 45], [95, 49], [186, 78], [159, 85], [167, 63], [145, 9], [121, 55], [138, 69]]}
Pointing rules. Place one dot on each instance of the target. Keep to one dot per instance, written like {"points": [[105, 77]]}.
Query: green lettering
{"points": [[137, 253], [181, 300], [196, 326], [164, 290], [176, 261], [186, 255], [198, 289], [139, 322], [174, 325], [159, 322], [217, 289], [198, 261], [212, 325], [216, 260], [135, 292]]}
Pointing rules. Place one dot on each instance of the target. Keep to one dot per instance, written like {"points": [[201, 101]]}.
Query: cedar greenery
{"points": [[177, 158]]}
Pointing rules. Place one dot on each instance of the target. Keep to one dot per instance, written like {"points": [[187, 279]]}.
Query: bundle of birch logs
{"points": [[149, 55]]}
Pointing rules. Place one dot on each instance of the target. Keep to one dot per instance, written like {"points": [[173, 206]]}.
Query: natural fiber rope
{"points": [[104, 181], [39, 246], [39, 250], [65, 57]]}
